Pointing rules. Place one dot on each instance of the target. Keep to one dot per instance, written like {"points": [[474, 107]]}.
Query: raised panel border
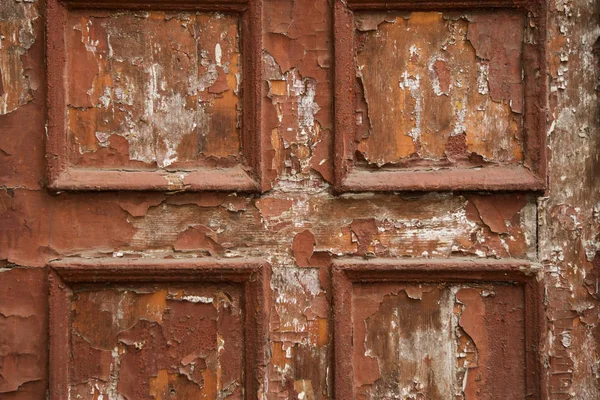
{"points": [[63, 176], [252, 274], [529, 176], [347, 272]]}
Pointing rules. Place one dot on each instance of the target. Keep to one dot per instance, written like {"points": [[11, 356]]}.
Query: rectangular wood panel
{"points": [[436, 329], [147, 95], [439, 96], [156, 329]]}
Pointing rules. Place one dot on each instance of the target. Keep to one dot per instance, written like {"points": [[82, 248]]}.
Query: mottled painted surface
{"points": [[17, 36], [569, 213], [442, 89], [441, 341], [300, 225], [157, 343], [23, 323], [153, 88]]}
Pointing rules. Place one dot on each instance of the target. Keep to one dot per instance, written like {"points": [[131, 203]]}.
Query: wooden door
{"points": [[299, 199]]}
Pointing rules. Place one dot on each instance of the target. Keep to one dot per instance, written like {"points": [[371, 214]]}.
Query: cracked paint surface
{"points": [[300, 225], [17, 35], [441, 341], [439, 89], [153, 88], [568, 214], [23, 324], [297, 68], [156, 343]]}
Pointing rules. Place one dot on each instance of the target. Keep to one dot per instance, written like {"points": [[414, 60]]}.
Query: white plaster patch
{"points": [[413, 85], [218, 54], [435, 80], [198, 299], [483, 72]]}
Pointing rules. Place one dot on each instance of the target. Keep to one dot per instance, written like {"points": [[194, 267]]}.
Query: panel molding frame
{"points": [[349, 271], [244, 177], [252, 274], [531, 175]]}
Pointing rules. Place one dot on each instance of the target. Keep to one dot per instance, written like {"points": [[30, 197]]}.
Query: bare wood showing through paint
{"points": [[134, 119], [465, 109]]}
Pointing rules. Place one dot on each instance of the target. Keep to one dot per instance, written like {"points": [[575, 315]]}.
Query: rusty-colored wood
{"points": [[71, 169], [301, 224], [66, 277], [347, 273], [414, 167]]}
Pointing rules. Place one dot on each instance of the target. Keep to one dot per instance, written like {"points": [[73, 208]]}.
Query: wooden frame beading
{"points": [[347, 272], [252, 274], [245, 177], [529, 176]]}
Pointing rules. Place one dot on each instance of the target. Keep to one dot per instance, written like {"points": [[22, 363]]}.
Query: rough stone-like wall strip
{"points": [[569, 222]]}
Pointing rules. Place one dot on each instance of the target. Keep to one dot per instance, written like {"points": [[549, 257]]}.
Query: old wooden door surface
{"points": [[299, 199]]}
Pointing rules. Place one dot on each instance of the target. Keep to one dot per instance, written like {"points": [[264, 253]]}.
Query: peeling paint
{"points": [[23, 342], [431, 342], [17, 35], [159, 83], [449, 86], [454, 97], [180, 338]]}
